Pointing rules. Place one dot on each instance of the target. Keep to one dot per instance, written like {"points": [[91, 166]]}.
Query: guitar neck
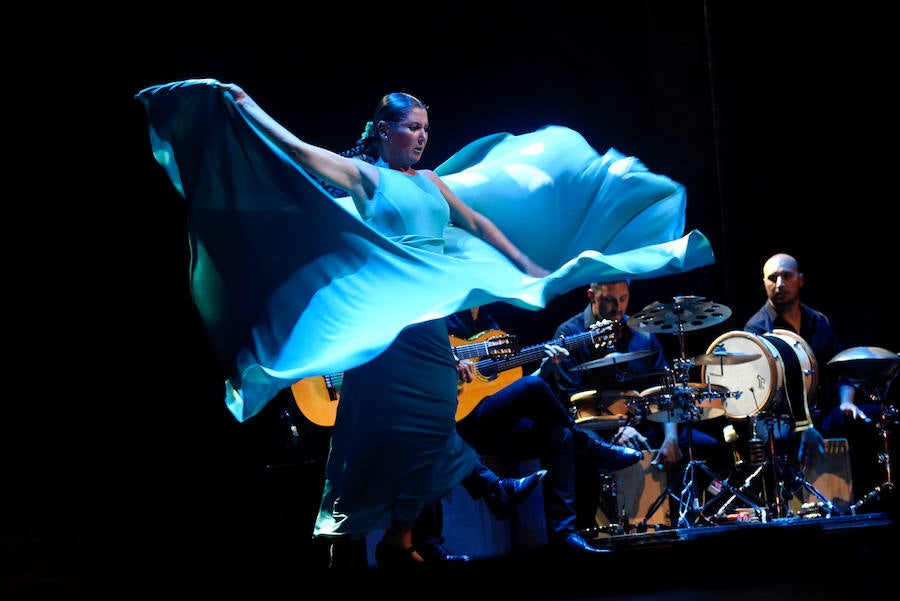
{"points": [[491, 366], [473, 350]]}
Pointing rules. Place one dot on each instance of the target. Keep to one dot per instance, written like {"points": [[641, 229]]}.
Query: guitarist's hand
{"points": [[465, 372], [555, 353]]}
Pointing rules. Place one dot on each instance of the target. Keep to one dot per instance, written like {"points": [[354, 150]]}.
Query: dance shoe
{"points": [[509, 493], [574, 543], [390, 558], [438, 553]]}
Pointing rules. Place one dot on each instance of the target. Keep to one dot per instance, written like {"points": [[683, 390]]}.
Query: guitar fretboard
{"points": [[602, 335]]}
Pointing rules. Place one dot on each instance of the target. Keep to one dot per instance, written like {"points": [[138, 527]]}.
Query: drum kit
{"points": [[744, 376], [677, 399]]}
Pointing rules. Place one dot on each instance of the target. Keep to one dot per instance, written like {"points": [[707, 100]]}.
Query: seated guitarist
{"points": [[524, 420]]}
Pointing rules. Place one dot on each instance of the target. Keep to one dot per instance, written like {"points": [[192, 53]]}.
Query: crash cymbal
{"points": [[614, 359], [725, 358], [685, 314], [866, 364]]}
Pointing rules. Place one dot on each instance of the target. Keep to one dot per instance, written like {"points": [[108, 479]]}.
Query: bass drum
{"points": [[800, 375], [752, 385], [808, 365], [784, 370]]}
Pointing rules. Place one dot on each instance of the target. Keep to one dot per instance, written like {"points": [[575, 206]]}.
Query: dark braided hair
{"points": [[392, 108]]}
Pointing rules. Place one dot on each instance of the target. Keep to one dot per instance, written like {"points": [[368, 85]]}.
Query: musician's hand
{"points": [[465, 371], [812, 446], [555, 353], [851, 410], [669, 453], [629, 437]]}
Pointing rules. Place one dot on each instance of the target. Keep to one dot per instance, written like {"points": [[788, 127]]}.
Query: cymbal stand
{"points": [[878, 394]]}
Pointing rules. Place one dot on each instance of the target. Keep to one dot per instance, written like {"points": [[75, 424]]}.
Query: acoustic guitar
{"points": [[317, 397], [495, 372], [495, 353]]}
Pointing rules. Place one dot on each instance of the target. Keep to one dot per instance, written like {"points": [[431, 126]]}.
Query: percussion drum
{"points": [[637, 488], [761, 383], [693, 402], [807, 358], [603, 412]]}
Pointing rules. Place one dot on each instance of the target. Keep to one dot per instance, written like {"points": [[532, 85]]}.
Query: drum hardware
{"points": [[783, 482], [681, 403], [872, 369], [688, 499]]}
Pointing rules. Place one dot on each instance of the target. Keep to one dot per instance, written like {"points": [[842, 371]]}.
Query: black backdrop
{"points": [[776, 119]]}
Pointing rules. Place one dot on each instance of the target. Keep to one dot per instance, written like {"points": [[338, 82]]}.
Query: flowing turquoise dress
{"points": [[292, 283]]}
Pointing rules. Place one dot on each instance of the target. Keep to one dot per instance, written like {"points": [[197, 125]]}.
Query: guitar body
{"points": [[482, 385], [317, 398]]}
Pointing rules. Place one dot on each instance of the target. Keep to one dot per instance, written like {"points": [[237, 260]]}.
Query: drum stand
{"points": [[775, 490], [888, 414], [678, 403], [873, 369], [683, 409]]}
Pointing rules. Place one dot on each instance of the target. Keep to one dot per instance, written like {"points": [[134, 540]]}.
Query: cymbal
{"points": [[687, 313], [865, 364], [725, 358], [613, 359]]}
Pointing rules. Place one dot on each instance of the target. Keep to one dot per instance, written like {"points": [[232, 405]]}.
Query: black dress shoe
{"points": [[438, 553], [390, 557], [509, 493], [572, 542], [604, 455]]}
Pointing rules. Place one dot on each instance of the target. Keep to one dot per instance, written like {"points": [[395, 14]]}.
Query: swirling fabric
{"points": [[292, 283]]}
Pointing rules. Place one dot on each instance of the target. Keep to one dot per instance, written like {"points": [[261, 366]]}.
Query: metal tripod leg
{"points": [[887, 413], [657, 503], [688, 496], [797, 478], [736, 493]]}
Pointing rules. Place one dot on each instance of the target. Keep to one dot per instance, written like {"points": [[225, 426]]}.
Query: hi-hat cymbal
{"points": [[725, 358], [614, 359], [866, 364], [685, 314]]}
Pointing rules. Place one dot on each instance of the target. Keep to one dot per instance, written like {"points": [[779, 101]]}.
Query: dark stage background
{"points": [[778, 119]]}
